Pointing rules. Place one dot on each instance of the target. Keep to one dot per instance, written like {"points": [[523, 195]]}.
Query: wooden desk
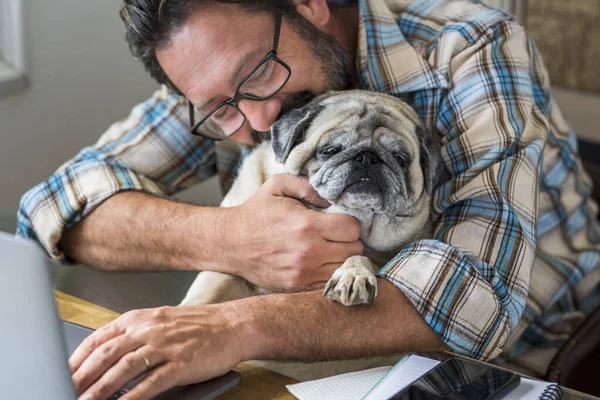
{"points": [[257, 382]]}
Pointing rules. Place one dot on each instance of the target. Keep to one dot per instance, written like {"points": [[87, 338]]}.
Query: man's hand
{"points": [[183, 345], [276, 242]]}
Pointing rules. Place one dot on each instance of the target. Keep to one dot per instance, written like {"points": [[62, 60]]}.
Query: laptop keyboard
{"points": [[118, 394]]}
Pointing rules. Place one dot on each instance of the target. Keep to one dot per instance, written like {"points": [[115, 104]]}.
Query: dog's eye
{"points": [[331, 151], [401, 158]]}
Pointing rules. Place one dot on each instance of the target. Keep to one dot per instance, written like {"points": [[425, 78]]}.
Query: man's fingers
{"points": [[323, 273], [157, 381], [296, 187], [338, 227], [95, 340], [334, 255], [338, 252], [101, 360], [129, 367], [317, 285]]}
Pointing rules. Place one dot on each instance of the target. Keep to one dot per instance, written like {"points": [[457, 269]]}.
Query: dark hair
{"points": [[150, 25]]}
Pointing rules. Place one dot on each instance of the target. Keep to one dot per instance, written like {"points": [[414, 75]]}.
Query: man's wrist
{"points": [[265, 330], [249, 336], [205, 243]]}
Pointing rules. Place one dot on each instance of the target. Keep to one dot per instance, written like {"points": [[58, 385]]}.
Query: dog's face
{"points": [[360, 150]]}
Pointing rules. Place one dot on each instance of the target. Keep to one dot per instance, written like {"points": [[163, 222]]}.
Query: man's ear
{"points": [[315, 11], [290, 130], [431, 160]]}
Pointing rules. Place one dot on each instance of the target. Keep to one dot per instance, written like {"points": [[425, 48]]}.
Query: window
{"points": [[12, 53]]}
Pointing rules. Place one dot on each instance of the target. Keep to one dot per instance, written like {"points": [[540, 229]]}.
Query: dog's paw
{"points": [[352, 285]]}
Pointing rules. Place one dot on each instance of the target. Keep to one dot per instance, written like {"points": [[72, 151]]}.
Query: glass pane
{"points": [[222, 123], [266, 80]]}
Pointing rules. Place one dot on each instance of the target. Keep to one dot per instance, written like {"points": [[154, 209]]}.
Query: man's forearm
{"points": [[137, 231], [310, 327]]}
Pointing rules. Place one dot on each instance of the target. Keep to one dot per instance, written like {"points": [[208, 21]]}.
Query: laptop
{"points": [[35, 343]]}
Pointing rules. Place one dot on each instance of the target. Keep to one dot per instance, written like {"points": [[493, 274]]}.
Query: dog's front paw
{"points": [[351, 284]]}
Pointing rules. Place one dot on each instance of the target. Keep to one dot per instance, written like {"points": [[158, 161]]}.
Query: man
{"points": [[513, 267]]}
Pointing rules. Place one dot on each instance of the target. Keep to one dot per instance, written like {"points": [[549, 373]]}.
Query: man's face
{"points": [[221, 43]]}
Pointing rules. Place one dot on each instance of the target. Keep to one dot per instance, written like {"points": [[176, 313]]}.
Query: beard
{"points": [[334, 60], [335, 64]]}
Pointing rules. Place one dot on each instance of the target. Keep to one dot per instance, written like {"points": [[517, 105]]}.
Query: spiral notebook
{"points": [[381, 383]]}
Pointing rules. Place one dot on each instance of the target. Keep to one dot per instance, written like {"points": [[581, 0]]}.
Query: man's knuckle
{"points": [[275, 180], [110, 329], [277, 177], [156, 379], [177, 353], [102, 389], [183, 355], [160, 313], [305, 228], [131, 361], [179, 366], [94, 394], [302, 256], [289, 284], [93, 343], [78, 380], [295, 280], [107, 350], [129, 317]]}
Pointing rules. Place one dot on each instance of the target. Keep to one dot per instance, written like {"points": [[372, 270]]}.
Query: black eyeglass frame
{"points": [[237, 97]]}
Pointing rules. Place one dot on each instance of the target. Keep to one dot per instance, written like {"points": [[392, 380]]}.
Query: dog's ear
{"points": [[290, 130], [431, 158]]}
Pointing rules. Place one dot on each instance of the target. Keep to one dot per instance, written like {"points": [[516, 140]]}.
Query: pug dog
{"points": [[369, 156]]}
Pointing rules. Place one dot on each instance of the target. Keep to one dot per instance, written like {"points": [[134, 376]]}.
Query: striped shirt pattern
{"points": [[513, 266]]}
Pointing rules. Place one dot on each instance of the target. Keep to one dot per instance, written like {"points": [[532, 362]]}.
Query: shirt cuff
{"points": [[50, 207], [458, 296]]}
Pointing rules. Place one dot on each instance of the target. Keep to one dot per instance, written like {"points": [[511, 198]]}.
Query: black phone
{"points": [[458, 379]]}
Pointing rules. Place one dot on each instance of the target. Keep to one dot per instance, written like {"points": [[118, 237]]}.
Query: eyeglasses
{"points": [[262, 83]]}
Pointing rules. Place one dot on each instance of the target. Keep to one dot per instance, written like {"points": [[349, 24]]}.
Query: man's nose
{"points": [[261, 114]]}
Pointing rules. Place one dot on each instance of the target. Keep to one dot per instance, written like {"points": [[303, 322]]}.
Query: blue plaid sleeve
{"points": [[150, 151], [470, 281]]}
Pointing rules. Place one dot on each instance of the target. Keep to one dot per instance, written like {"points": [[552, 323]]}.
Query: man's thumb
{"points": [[296, 187]]}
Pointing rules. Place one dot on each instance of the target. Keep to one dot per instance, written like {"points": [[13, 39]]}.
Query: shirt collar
{"points": [[386, 61]]}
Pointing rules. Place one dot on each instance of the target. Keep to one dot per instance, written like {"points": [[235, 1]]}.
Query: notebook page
{"points": [[400, 376], [528, 389], [350, 386]]}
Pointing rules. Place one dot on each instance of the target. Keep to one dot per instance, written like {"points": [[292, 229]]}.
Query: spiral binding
{"points": [[552, 392]]}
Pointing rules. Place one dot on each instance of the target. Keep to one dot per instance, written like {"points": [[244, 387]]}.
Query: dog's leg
{"points": [[353, 283], [215, 287]]}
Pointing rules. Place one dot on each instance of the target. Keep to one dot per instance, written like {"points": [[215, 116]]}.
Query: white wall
{"points": [[83, 78]]}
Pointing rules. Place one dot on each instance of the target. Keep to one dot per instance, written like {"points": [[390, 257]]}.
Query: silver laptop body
{"points": [[34, 343]]}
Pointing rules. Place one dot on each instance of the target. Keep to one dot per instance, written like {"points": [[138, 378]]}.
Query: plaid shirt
{"points": [[513, 264]]}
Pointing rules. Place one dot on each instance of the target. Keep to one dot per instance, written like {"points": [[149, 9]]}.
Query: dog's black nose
{"points": [[367, 158]]}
